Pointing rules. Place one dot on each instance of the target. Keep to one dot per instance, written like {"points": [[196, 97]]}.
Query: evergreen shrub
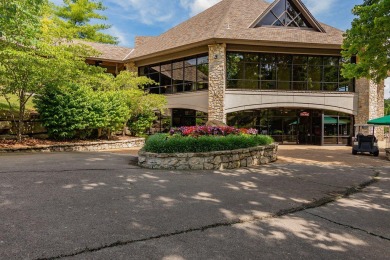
{"points": [[166, 143]]}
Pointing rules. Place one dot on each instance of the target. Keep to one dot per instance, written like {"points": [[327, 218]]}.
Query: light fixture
{"points": [[215, 56]]}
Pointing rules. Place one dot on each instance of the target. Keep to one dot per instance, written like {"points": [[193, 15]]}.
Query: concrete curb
{"points": [[92, 146]]}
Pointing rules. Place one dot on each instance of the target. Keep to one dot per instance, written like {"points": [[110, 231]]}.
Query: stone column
{"points": [[370, 103], [217, 82], [131, 67]]}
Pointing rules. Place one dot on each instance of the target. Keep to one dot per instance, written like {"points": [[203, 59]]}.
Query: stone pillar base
{"points": [[217, 82]]}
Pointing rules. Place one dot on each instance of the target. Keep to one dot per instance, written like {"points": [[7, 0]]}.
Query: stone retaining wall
{"points": [[388, 153], [92, 146], [209, 161]]}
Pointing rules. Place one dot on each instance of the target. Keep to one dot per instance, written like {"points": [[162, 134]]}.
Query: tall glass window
{"points": [[188, 74], [286, 72], [300, 126]]}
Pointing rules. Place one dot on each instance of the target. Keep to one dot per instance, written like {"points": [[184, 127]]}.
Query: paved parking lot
{"points": [[103, 206]]}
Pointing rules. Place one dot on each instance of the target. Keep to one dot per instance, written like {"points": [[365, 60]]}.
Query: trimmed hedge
{"points": [[164, 143]]}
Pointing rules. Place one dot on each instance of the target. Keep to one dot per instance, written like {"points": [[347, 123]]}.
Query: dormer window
{"points": [[284, 13]]}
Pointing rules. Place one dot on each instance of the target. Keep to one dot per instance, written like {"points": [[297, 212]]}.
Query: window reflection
{"points": [[286, 72], [188, 74], [284, 13]]}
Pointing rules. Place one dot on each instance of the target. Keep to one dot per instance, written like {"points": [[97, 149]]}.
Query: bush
{"points": [[108, 111], [164, 143], [139, 124], [64, 111], [70, 112]]}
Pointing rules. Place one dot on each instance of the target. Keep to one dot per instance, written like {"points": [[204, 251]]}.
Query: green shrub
{"points": [[139, 124], [108, 111], [64, 111], [163, 143], [73, 112]]}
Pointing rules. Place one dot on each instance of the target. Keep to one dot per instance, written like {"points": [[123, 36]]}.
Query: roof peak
{"points": [[231, 20], [287, 13]]}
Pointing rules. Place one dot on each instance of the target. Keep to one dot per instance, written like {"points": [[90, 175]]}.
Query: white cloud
{"points": [[145, 11], [122, 37], [317, 7], [197, 6]]}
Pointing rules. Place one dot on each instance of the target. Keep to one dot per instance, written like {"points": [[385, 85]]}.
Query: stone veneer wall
{"points": [[79, 147], [370, 103], [217, 82], [209, 161], [131, 67]]}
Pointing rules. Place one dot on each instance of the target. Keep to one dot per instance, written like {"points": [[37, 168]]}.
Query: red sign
{"points": [[304, 114]]}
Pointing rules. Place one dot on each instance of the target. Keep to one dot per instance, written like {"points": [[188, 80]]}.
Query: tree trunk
{"points": [[22, 106], [124, 130]]}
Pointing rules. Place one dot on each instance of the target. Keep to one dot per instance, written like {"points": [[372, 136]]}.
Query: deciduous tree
{"points": [[387, 106], [33, 57], [76, 15], [141, 104], [369, 40]]}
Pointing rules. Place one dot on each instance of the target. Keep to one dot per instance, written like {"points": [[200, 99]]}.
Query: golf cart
{"points": [[365, 143]]}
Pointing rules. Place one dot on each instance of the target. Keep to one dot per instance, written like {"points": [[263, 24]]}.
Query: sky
{"points": [[130, 18]]}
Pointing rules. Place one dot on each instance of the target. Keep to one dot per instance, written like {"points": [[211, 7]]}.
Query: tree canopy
{"points": [[19, 21], [387, 106], [76, 15], [32, 56], [38, 56], [369, 40]]}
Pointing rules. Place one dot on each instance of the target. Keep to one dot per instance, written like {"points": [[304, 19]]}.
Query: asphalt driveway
{"points": [[103, 206]]}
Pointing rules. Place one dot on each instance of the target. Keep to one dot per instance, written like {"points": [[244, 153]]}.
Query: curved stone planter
{"points": [[210, 160]]}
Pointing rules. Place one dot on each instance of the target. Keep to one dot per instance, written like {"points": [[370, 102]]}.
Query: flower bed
{"points": [[205, 139], [207, 148], [211, 130]]}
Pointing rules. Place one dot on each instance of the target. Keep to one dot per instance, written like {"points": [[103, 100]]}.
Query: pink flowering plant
{"points": [[190, 139], [196, 131]]}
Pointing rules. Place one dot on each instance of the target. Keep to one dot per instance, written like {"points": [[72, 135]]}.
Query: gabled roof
{"points": [[231, 21], [300, 8], [110, 52]]}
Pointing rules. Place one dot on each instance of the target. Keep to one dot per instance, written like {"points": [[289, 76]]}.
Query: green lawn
{"points": [[15, 104]]}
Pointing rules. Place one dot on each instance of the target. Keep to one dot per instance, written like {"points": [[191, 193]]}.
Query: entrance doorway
{"points": [[296, 126], [188, 117]]}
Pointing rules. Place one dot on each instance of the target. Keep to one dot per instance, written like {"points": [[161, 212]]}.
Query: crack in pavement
{"points": [[315, 204], [348, 226], [320, 183]]}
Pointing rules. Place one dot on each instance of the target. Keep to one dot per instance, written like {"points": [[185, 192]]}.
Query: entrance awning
{"points": [[328, 120], [380, 121]]}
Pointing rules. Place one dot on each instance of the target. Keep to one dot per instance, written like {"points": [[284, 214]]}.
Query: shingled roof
{"points": [[231, 20], [110, 52]]}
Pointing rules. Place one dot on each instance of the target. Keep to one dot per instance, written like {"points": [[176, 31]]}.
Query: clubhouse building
{"points": [[250, 63]]}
